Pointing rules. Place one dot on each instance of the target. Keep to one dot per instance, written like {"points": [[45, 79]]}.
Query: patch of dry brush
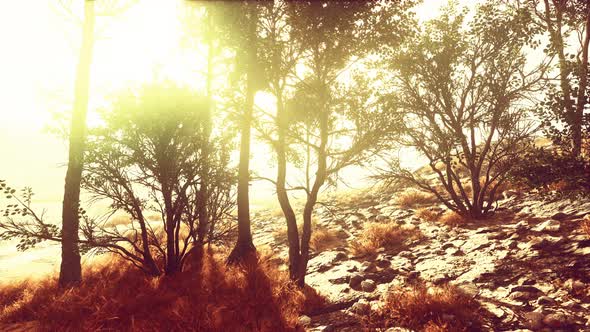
{"points": [[206, 296], [411, 198], [422, 308], [390, 236]]}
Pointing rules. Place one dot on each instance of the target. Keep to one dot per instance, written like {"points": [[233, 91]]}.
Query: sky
{"points": [[40, 42]]}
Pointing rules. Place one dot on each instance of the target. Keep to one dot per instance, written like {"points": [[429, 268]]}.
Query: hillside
{"points": [[527, 266]]}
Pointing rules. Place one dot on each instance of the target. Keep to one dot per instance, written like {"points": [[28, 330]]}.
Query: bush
{"points": [[389, 236], [451, 218], [323, 239], [427, 214], [411, 198], [541, 167], [420, 308]]}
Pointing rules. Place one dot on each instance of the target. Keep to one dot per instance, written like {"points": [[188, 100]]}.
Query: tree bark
{"points": [[71, 269], [244, 246]]}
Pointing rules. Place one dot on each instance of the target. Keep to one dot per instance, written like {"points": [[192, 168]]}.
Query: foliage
{"points": [[460, 87], [540, 167]]}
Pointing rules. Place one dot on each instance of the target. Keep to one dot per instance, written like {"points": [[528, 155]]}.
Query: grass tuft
{"points": [[453, 219], [420, 308], [390, 236], [411, 198], [428, 214]]}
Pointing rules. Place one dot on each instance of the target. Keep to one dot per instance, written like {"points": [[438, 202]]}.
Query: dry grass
{"points": [[444, 308], [411, 198], [453, 219], [323, 239], [585, 225], [390, 236], [207, 296], [427, 214]]}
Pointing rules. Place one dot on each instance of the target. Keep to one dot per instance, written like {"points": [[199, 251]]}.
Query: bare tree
{"points": [[462, 94]]}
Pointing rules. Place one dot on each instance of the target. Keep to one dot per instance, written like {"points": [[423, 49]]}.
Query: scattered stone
{"points": [[574, 285], [560, 216], [533, 320], [304, 321], [545, 300], [355, 281], [368, 285], [548, 226], [361, 307], [555, 320]]}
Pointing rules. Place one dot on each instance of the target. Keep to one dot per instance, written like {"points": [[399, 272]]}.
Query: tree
{"points": [[461, 93], [145, 160], [247, 57], [328, 35], [563, 112], [71, 269]]}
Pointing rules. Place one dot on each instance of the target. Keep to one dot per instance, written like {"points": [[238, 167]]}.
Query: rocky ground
{"points": [[528, 265]]}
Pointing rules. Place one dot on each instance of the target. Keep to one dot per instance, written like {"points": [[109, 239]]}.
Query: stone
{"points": [[560, 216], [555, 320], [340, 256], [470, 289], [548, 226], [521, 296], [368, 285], [533, 320], [382, 218], [304, 321], [574, 285], [383, 263], [545, 300], [355, 281], [362, 307]]}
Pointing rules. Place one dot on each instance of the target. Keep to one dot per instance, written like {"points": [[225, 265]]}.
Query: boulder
{"points": [[368, 285], [304, 321], [355, 281]]}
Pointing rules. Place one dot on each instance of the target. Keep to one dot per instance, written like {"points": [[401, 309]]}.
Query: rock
{"points": [[526, 288], [355, 281], [574, 285], [387, 275], [382, 218], [369, 267], [368, 285], [340, 256], [560, 216], [545, 300], [383, 263], [470, 289], [548, 226], [304, 321], [521, 296], [362, 307], [555, 320], [533, 320]]}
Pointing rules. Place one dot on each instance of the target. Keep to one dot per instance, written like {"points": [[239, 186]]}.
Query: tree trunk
{"points": [[71, 270], [320, 178], [244, 246], [282, 195], [204, 187], [581, 102]]}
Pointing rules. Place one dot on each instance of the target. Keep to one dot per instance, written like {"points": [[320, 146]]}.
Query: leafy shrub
{"points": [[541, 167]]}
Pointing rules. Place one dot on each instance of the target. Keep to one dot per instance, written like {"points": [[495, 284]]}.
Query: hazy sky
{"points": [[40, 42]]}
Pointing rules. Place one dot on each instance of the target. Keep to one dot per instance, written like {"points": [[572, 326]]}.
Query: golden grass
{"points": [[411, 198], [390, 236], [427, 214], [207, 296], [324, 239], [585, 225], [453, 219], [444, 308]]}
